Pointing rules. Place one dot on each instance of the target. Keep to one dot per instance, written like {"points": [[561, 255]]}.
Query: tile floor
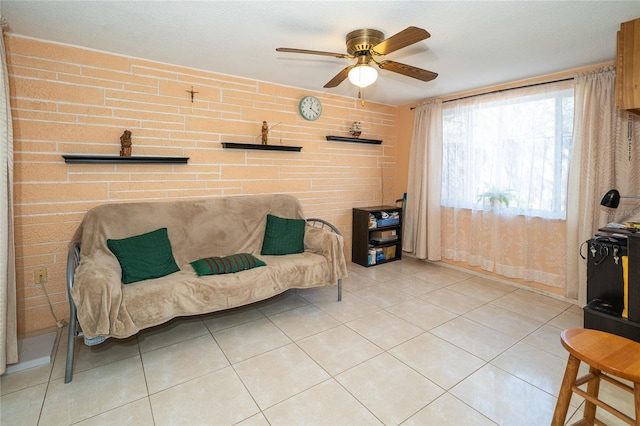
{"points": [[411, 343]]}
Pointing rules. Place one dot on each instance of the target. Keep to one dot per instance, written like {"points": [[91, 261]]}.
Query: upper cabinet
{"points": [[628, 67]]}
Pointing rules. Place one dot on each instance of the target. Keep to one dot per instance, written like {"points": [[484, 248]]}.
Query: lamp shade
{"points": [[611, 198], [363, 75]]}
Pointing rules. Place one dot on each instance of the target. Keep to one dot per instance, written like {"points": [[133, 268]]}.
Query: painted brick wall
{"points": [[67, 100]]}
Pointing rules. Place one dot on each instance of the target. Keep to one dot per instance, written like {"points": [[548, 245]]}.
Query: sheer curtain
{"points": [[606, 155], [8, 325], [422, 214], [505, 165]]}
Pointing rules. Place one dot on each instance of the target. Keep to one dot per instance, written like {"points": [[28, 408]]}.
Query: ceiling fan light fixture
{"points": [[363, 75], [365, 44]]}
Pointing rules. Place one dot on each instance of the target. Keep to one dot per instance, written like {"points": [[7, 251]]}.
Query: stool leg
{"points": [[564, 397], [593, 389], [636, 398]]}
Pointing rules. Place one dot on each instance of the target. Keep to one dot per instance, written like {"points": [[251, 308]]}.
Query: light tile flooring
{"points": [[411, 343]]}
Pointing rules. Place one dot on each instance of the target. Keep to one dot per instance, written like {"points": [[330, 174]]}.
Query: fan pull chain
{"points": [[629, 132], [361, 95]]}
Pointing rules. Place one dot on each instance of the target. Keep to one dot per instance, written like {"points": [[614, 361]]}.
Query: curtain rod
{"points": [[505, 90]]}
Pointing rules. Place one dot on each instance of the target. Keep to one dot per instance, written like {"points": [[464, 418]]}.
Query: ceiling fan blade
{"points": [[339, 78], [408, 70], [312, 52], [402, 39]]}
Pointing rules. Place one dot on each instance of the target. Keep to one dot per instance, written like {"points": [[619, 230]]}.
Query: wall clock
{"points": [[310, 108]]}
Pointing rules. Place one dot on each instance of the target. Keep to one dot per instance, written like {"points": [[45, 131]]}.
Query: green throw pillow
{"points": [[283, 236], [226, 265], [145, 256]]}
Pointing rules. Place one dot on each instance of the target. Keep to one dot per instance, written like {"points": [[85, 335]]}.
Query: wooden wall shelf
{"points": [[235, 145], [356, 140], [116, 159]]}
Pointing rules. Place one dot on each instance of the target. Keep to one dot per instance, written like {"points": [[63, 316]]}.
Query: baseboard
{"points": [[33, 351]]}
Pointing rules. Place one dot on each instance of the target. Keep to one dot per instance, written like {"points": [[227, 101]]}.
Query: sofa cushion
{"points": [[144, 256], [283, 236], [225, 265]]}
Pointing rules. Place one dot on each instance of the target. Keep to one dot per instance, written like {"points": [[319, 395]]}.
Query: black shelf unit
{"points": [[605, 285], [236, 145], [356, 140], [116, 159], [362, 236]]}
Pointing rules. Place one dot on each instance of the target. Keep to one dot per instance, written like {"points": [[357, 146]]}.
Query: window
{"points": [[512, 149]]}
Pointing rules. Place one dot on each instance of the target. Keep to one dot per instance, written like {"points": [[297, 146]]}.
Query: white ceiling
{"points": [[473, 44]]}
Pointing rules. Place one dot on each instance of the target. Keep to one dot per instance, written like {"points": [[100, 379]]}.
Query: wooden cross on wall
{"points": [[192, 93]]}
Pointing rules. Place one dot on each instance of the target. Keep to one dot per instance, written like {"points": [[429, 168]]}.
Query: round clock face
{"points": [[310, 108]]}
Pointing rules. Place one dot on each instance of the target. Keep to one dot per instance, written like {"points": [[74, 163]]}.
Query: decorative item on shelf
{"points": [[356, 129], [265, 132], [264, 135], [125, 144]]}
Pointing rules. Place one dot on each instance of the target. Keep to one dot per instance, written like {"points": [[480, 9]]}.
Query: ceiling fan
{"points": [[365, 45]]}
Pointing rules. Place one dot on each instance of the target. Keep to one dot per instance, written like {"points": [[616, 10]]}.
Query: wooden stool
{"points": [[607, 355]]}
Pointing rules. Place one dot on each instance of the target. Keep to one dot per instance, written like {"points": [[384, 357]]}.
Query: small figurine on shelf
{"points": [[355, 130], [125, 144], [265, 132]]}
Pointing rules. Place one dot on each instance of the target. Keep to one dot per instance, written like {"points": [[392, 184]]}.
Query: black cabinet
{"points": [[377, 235], [605, 286], [604, 271]]}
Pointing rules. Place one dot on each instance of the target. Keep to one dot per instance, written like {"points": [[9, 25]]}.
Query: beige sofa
{"points": [[219, 226]]}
